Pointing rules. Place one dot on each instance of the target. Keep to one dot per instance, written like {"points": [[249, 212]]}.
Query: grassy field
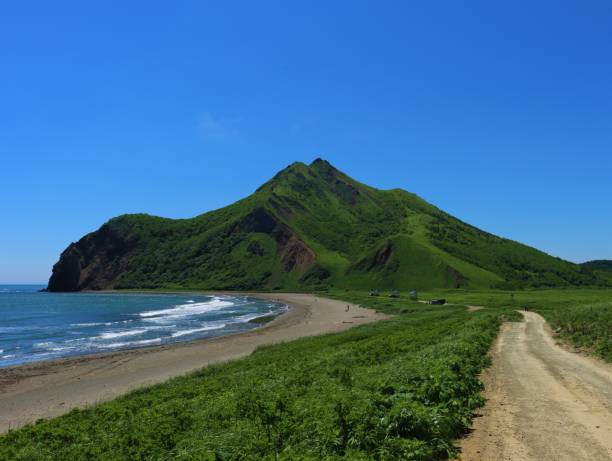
{"points": [[588, 326], [580, 316], [404, 388]]}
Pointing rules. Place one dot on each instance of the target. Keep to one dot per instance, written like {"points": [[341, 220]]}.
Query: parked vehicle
{"points": [[438, 302]]}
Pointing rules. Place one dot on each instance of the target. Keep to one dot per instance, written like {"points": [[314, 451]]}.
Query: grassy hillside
{"points": [[602, 268], [399, 389], [309, 227]]}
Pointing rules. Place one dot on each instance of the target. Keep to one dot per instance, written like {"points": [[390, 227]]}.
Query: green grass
{"points": [[403, 388], [582, 317], [588, 326]]}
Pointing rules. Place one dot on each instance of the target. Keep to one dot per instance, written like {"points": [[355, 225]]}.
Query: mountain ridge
{"points": [[309, 226]]}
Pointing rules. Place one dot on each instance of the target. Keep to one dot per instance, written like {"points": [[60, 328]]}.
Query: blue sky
{"points": [[498, 112]]}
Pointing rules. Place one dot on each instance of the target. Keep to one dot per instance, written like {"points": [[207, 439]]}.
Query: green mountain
{"points": [[310, 226]]}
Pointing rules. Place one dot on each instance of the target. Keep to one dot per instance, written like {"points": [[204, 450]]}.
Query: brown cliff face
{"points": [[293, 252], [93, 263]]}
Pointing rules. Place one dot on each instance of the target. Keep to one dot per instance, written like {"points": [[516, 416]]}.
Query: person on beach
{"points": [[347, 308], [525, 308]]}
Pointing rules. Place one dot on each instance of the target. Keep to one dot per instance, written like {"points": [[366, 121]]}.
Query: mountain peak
{"points": [[318, 161], [321, 164], [318, 168]]}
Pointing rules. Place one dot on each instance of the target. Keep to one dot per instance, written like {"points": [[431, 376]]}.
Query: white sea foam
{"points": [[92, 324], [9, 356], [190, 301], [248, 317], [131, 343], [49, 347], [76, 340], [197, 330], [136, 331], [100, 324], [185, 310], [120, 334], [60, 349]]}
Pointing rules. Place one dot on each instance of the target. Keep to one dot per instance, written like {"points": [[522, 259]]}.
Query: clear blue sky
{"points": [[498, 112]]}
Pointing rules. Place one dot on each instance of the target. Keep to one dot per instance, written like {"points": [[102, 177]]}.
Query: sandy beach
{"points": [[48, 389]]}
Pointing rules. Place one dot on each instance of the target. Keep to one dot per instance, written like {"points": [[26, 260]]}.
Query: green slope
{"points": [[601, 267], [309, 226]]}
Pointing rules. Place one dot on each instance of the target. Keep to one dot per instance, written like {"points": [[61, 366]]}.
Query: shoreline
{"points": [[50, 388], [62, 361], [94, 355]]}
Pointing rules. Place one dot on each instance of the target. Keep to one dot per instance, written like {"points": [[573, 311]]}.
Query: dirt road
{"points": [[544, 402]]}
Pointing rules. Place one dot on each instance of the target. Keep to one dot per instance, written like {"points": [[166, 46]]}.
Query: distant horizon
{"points": [[23, 284]]}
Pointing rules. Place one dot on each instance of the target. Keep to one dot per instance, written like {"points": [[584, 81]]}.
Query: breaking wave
{"points": [[179, 333], [188, 309]]}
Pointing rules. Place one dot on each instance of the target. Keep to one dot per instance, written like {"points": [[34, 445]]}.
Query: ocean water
{"points": [[38, 326]]}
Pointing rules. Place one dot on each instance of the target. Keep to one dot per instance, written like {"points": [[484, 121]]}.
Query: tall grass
{"points": [[588, 326], [580, 316]]}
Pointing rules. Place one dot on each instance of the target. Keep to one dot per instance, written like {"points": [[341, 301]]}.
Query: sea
{"points": [[37, 325]]}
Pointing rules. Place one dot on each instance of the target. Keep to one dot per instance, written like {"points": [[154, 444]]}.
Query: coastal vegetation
{"points": [[403, 388], [581, 317], [310, 227]]}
